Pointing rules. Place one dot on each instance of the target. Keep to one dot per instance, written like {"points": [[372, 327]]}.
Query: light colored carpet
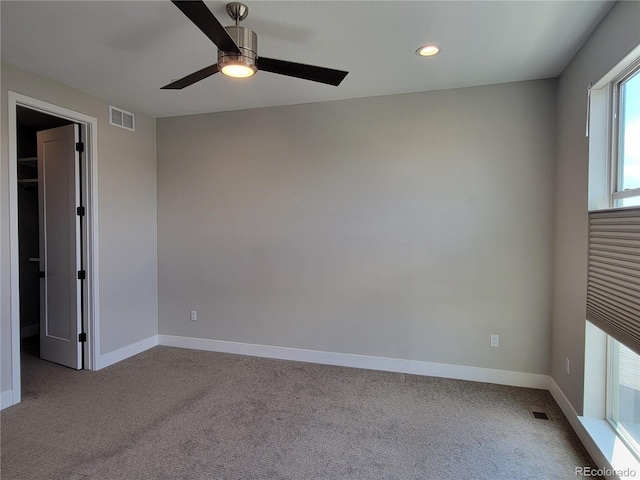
{"points": [[172, 413]]}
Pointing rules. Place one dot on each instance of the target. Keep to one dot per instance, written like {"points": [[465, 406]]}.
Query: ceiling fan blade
{"points": [[193, 78], [300, 70], [198, 13]]}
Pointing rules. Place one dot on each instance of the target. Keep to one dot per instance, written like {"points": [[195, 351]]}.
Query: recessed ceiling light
{"points": [[428, 50]]}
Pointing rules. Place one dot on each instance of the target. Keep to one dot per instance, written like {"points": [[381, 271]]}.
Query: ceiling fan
{"points": [[237, 50]]}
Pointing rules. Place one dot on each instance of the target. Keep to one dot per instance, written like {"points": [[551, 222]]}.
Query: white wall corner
{"points": [[123, 353], [6, 399], [397, 365]]}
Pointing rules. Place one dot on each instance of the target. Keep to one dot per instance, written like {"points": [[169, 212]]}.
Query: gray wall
{"points": [[616, 36], [127, 216], [408, 226]]}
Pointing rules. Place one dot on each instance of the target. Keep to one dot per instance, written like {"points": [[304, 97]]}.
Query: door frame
{"points": [[91, 314]]}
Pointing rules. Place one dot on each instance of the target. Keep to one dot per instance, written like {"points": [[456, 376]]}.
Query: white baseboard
{"points": [[571, 414], [123, 353], [29, 331], [6, 399], [460, 372]]}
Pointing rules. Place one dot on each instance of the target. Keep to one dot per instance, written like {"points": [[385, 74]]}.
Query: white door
{"points": [[60, 255]]}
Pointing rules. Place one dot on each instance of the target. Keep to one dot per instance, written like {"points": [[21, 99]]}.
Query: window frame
{"points": [[616, 195], [612, 404]]}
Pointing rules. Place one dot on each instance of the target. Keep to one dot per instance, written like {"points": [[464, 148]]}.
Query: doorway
{"points": [[30, 224], [29, 282]]}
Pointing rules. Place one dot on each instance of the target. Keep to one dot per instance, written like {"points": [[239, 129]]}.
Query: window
{"points": [[623, 402], [626, 139], [613, 262], [612, 370], [623, 364]]}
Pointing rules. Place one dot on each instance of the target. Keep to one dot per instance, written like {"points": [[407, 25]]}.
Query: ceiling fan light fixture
{"points": [[238, 70], [241, 65], [428, 50]]}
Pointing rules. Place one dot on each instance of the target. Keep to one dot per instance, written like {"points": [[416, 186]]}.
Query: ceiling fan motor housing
{"points": [[247, 42]]}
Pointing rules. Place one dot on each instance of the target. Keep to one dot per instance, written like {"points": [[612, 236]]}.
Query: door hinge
{"points": [[82, 337], [82, 275], [80, 211], [79, 147]]}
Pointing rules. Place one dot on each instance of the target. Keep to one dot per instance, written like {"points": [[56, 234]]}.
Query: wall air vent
{"points": [[122, 119]]}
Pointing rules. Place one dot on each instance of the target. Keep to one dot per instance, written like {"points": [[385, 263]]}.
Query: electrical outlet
{"points": [[194, 315], [495, 340], [567, 366]]}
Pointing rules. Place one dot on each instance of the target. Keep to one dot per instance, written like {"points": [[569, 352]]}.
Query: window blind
{"points": [[613, 283]]}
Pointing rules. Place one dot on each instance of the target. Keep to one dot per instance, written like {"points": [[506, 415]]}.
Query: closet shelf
{"points": [[27, 180], [29, 161]]}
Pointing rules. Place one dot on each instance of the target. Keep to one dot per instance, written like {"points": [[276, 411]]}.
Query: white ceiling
{"points": [[124, 51]]}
